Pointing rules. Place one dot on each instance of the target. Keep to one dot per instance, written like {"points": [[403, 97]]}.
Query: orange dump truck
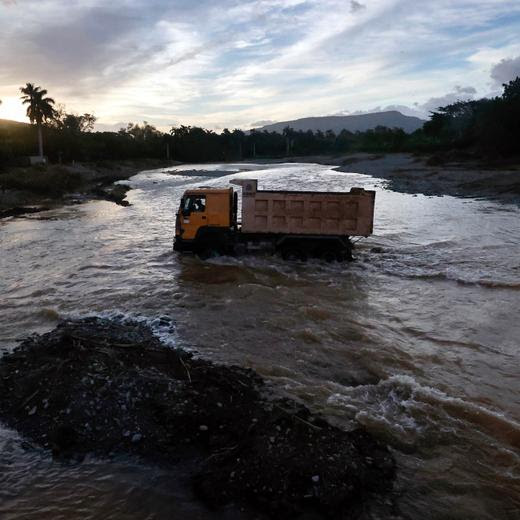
{"points": [[297, 224]]}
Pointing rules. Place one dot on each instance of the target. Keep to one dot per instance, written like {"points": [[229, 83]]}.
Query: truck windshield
{"points": [[194, 203]]}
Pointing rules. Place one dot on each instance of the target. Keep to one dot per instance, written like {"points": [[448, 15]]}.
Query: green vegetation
{"points": [[52, 181], [486, 127], [489, 126]]}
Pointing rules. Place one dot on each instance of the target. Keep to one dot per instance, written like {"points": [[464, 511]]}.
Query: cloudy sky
{"points": [[229, 63]]}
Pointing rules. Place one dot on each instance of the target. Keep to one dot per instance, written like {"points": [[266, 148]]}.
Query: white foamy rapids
{"points": [[162, 327], [408, 413], [470, 267]]}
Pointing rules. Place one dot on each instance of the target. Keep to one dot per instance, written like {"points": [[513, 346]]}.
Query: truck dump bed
{"points": [[306, 212]]}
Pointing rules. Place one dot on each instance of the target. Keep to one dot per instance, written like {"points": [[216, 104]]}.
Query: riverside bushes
{"points": [[52, 181]]}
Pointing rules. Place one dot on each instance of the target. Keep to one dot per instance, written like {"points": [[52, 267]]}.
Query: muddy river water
{"points": [[417, 340]]}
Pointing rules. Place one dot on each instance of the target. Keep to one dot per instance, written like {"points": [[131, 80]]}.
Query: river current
{"points": [[417, 340]]}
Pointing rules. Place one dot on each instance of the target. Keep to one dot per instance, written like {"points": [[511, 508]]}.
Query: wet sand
{"points": [[430, 175]]}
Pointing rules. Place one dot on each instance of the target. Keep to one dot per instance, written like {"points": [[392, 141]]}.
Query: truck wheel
{"points": [[330, 255], [293, 254], [212, 245], [209, 251], [346, 255]]}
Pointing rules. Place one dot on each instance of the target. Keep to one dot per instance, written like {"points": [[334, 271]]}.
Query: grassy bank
{"points": [[44, 185], [52, 181]]}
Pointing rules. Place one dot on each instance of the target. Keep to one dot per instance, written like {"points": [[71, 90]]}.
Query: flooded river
{"points": [[418, 340]]}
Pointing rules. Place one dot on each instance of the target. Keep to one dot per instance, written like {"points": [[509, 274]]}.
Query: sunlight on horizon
{"points": [[245, 64], [13, 109]]}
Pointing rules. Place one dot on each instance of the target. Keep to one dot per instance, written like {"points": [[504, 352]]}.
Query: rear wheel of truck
{"points": [[292, 254], [330, 255], [346, 255]]}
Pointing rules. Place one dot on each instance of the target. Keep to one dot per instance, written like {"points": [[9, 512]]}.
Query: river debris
{"points": [[18, 211], [113, 193], [107, 388]]}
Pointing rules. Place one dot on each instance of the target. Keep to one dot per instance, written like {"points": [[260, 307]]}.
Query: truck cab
{"points": [[205, 216]]}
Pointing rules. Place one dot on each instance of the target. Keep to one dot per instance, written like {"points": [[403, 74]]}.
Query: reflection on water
{"points": [[417, 340]]}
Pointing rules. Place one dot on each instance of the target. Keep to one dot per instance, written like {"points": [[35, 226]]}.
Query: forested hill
{"points": [[7, 123], [357, 123]]}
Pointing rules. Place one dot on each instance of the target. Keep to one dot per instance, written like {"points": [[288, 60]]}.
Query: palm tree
{"points": [[39, 109], [288, 133]]}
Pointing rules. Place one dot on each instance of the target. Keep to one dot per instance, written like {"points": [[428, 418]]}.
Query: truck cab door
{"points": [[193, 215]]}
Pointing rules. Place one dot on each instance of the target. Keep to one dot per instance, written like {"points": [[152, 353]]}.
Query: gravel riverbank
{"points": [[439, 174], [107, 388]]}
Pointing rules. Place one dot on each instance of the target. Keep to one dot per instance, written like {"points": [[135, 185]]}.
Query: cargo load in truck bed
{"points": [[306, 212]]}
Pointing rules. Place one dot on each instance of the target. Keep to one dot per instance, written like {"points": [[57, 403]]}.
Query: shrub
{"points": [[52, 181]]}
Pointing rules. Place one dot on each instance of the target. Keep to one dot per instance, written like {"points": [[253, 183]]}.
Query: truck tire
{"points": [[330, 255], [346, 255], [293, 253], [212, 244], [334, 253], [208, 252]]}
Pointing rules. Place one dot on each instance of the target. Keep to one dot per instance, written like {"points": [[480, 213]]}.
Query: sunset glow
{"points": [[12, 108], [233, 64]]}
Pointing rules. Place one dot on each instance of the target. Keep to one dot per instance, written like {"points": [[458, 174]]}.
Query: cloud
{"points": [[231, 62], [465, 90], [458, 94], [506, 70], [262, 122], [88, 46], [404, 109], [114, 127], [407, 111], [356, 6], [422, 110]]}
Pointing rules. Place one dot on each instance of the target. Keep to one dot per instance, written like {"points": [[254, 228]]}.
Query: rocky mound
{"points": [[97, 386]]}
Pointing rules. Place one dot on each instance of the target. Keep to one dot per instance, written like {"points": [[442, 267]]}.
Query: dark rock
{"points": [[21, 210], [115, 193]]}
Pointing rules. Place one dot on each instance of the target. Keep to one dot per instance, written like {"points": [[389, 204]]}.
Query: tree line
{"points": [[485, 127]]}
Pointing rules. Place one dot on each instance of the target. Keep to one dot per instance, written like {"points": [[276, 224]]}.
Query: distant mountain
{"points": [[8, 124], [361, 123]]}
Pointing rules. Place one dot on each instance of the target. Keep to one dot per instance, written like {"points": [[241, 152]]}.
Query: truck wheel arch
{"points": [[211, 242]]}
